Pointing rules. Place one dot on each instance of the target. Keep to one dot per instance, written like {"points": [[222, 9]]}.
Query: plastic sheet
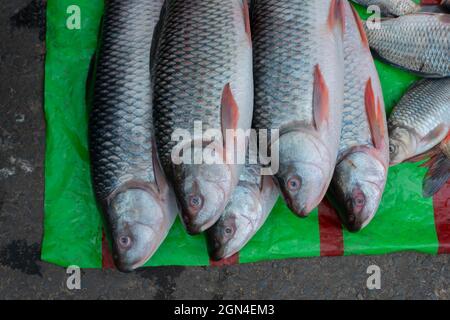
{"points": [[73, 224]]}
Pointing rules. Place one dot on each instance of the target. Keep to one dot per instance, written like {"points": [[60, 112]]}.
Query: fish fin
{"points": [[247, 20], [337, 15], [437, 175], [229, 112], [429, 154], [321, 99], [436, 135], [375, 115], [160, 178], [360, 25]]}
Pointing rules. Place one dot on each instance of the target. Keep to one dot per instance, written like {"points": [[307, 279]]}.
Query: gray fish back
{"points": [[121, 130]]}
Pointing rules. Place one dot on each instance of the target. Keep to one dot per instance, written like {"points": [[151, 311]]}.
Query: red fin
{"points": [[359, 23], [437, 176], [437, 133], [321, 99], [247, 21], [337, 14], [230, 110], [375, 115]]}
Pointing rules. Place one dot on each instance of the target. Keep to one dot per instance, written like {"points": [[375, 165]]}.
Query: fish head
{"points": [[303, 177], [203, 191], [135, 217], [402, 145], [235, 226], [357, 187]]}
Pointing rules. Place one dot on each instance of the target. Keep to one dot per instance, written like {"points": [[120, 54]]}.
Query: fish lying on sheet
{"points": [[204, 74], [138, 203], [419, 43], [420, 121], [298, 61], [248, 209], [363, 161]]}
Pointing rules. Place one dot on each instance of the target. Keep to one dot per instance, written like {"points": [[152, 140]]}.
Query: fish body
{"points": [[392, 7], [248, 209], [203, 75], [420, 121], [298, 62], [138, 203], [419, 43], [361, 170]]}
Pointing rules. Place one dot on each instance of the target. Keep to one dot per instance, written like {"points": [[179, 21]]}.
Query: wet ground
{"points": [[23, 275]]}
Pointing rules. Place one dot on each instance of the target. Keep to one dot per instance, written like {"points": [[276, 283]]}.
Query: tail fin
{"points": [[438, 174]]}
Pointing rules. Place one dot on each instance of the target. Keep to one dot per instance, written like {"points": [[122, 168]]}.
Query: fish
{"points": [[418, 43], [204, 74], [135, 197], [420, 121], [248, 209], [363, 160], [392, 7], [298, 74]]}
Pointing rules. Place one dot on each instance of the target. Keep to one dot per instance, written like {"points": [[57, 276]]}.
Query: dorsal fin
{"points": [[375, 116], [321, 99]]}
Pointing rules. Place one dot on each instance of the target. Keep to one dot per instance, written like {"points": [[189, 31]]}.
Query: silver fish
{"points": [[419, 43], [392, 7], [137, 201], [203, 74], [363, 161], [298, 61], [248, 209], [420, 121]]}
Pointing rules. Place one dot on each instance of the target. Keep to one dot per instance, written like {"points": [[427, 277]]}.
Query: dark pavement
{"points": [[23, 275]]}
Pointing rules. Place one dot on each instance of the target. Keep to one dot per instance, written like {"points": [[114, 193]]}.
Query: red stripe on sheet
{"points": [[234, 259], [107, 259], [430, 2], [331, 236], [441, 203]]}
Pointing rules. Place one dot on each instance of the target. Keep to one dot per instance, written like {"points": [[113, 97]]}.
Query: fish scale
{"points": [[197, 78], [416, 42], [424, 107], [282, 67], [121, 117]]}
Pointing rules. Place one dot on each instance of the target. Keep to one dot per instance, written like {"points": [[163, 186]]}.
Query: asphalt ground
{"points": [[24, 276]]}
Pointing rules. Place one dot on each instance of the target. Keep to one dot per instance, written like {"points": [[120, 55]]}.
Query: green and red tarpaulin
{"points": [[73, 228]]}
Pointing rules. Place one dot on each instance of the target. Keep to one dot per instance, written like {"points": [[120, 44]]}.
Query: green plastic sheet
{"points": [[73, 224]]}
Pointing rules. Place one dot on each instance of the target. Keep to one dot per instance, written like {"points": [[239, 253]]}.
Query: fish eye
{"points": [[228, 230], [294, 184], [125, 241], [196, 202], [393, 149]]}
